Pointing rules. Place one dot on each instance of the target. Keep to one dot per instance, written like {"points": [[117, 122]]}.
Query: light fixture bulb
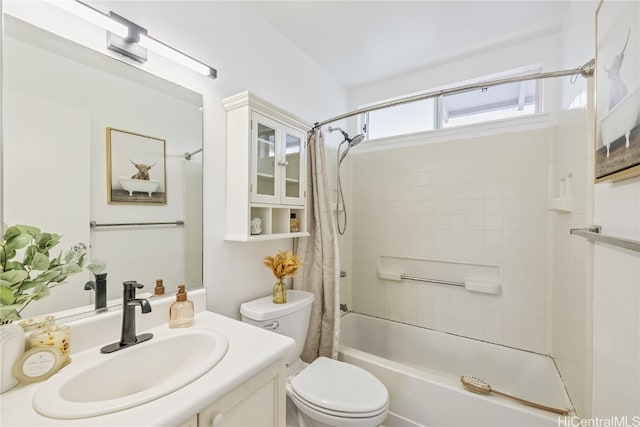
{"points": [[91, 15], [174, 55]]}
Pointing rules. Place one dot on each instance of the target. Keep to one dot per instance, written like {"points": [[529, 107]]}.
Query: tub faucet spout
{"points": [[129, 303]]}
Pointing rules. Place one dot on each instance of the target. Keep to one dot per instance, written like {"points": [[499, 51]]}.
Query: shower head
{"points": [[356, 140], [351, 141]]}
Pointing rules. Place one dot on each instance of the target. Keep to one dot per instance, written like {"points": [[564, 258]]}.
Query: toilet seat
{"points": [[339, 389], [339, 414]]}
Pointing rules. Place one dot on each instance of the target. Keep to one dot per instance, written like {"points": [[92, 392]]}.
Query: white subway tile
{"points": [[493, 189], [513, 189], [534, 343], [441, 323], [426, 192], [494, 206], [475, 222], [481, 201], [441, 222], [493, 222], [513, 338], [514, 206], [494, 238]]}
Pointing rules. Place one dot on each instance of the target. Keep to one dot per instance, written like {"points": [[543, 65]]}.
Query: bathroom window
{"points": [[481, 105], [417, 116]]}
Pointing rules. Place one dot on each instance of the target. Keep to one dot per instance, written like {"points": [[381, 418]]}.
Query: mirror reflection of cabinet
{"points": [[266, 170]]}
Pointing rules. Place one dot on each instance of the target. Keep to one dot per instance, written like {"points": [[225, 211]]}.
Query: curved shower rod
{"points": [[585, 71]]}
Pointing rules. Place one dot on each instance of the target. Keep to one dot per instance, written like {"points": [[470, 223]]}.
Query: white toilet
{"points": [[327, 392]]}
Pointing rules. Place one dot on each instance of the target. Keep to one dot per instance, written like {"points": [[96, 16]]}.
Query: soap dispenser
{"points": [[181, 311]]}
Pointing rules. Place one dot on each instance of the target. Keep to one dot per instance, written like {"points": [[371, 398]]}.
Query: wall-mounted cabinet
{"points": [[266, 170]]}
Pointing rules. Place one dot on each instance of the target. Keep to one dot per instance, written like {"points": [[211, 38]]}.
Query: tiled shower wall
{"points": [[479, 200]]}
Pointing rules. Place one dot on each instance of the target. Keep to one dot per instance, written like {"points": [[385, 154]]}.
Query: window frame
{"points": [[364, 123]]}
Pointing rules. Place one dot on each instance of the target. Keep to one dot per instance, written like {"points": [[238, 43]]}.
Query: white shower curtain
{"points": [[319, 252]]}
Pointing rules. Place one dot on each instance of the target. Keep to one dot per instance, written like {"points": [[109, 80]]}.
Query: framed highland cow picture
{"points": [[617, 133], [136, 168]]}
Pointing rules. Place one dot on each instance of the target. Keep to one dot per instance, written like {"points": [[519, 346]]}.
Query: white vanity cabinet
{"points": [[245, 388], [266, 170], [259, 401], [191, 422]]}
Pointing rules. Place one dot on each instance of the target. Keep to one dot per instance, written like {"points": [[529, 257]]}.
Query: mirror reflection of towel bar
{"points": [[94, 224]]}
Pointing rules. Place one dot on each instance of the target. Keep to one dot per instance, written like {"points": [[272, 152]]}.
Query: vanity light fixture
{"points": [[179, 57], [129, 39], [92, 15]]}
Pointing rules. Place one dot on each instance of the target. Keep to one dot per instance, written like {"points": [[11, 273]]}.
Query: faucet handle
{"points": [[132, 285]]}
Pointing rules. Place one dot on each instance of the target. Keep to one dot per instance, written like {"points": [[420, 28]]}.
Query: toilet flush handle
{"points": [[273, 326]]}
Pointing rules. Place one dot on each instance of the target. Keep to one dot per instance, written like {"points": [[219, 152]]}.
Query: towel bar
{"points": [[593, 233]]}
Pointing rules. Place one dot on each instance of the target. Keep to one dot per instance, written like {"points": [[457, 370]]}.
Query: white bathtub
{"points": [[421, 368]]}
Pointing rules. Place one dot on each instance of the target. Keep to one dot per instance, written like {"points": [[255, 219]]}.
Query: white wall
{"points": [[249, 55], [616, 316], [607, 339], [616, 271], [571, 258], [543, 50]]}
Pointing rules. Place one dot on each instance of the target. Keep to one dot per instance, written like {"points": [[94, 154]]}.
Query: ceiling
{"points": [[361, 42]]}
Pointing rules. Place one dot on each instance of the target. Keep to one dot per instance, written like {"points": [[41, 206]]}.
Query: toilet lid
{"points": [[339, 386]]}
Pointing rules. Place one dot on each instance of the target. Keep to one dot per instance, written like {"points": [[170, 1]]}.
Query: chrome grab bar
{"points": [[437, 281]]}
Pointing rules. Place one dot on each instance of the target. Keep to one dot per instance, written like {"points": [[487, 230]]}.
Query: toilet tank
{"points": [[290, 319]]}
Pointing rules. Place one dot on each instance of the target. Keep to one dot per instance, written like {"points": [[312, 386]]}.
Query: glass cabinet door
{"points": [[294, 144], [264, 186]]}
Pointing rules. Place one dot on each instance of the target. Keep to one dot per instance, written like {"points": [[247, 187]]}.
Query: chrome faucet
{"points": [[129, 303]]}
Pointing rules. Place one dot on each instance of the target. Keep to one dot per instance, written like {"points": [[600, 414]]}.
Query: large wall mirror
{"points": [[59, 101]]}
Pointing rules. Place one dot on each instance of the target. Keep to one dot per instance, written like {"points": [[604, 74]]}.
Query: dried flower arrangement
{"points": [[283, 264]]}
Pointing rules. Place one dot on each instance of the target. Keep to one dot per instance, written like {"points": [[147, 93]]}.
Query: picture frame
{"points": [[617, 87], [136, 168]]}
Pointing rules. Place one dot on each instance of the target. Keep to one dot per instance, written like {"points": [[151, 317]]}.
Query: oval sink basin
{"points": [[112, 382]]}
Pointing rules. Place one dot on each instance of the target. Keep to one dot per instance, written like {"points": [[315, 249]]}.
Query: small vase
{"points": [[279, 292]]}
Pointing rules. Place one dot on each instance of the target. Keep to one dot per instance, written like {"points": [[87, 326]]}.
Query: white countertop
{"points": [[250, 351]]}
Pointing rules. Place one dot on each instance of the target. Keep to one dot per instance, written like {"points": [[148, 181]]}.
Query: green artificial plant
{"points": [[28, 273]]}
